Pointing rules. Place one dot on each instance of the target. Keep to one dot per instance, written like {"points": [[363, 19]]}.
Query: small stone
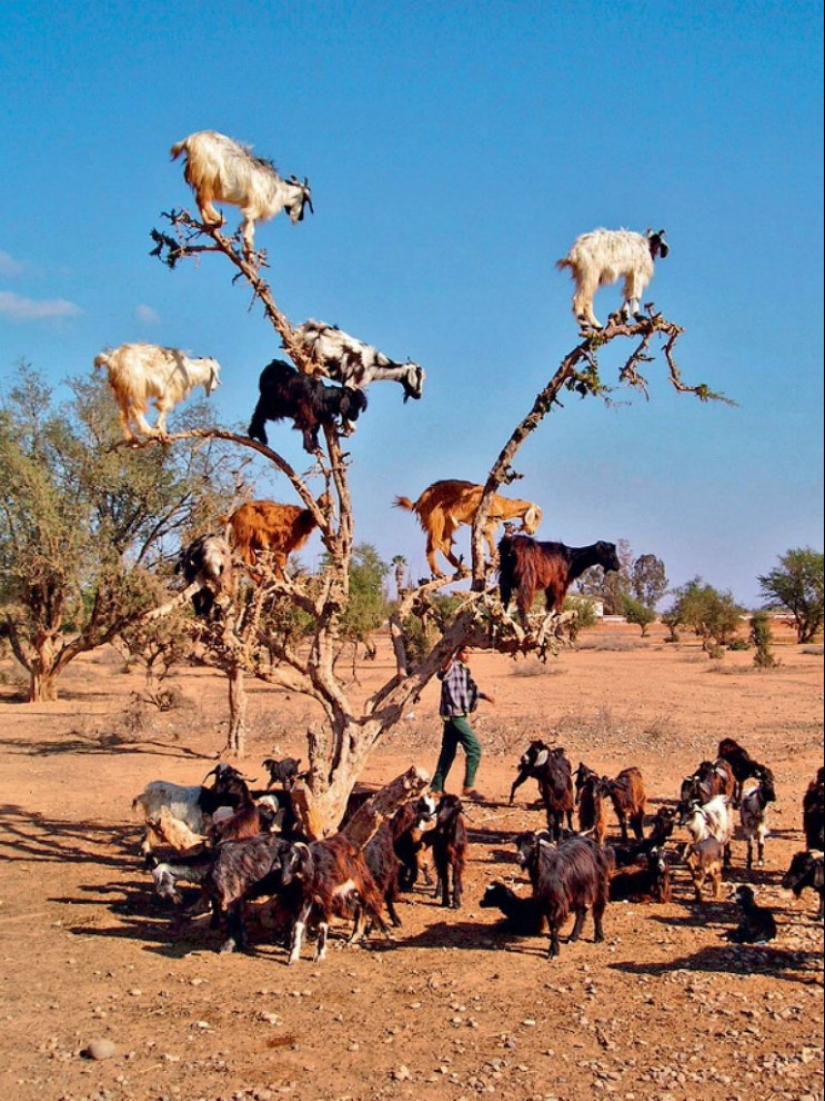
{"points": [[100, 1049]]}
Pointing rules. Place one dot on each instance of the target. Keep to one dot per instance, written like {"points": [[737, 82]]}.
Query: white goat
{"points": [[138, 372], [757, 794], [605, 255], [220, 169], [341, 357], [712, 819]]}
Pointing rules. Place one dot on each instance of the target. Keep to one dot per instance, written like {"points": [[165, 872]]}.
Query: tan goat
{"points": [[262, 527], [444, 506]]}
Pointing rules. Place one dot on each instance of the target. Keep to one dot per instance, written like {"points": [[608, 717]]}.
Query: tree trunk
{"points": [[42, 686], [236, 738], [368, 819]]}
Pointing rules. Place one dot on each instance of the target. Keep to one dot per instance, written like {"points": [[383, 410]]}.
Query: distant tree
{"points": [[87, 526], [609, 588], [798, 586], [399, 565], [648, 580], [713, 616], [762, 638], [638, 613], [367, 607]]}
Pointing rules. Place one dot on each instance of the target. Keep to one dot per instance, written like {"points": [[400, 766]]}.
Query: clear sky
{"points": [[455, 151]]}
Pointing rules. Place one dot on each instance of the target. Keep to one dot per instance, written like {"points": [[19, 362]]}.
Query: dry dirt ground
{"points": [[665, 1009]]}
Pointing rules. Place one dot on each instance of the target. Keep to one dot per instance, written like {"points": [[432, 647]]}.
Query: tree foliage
{"points": [[87, 527], [797, 584], [713, 616]]}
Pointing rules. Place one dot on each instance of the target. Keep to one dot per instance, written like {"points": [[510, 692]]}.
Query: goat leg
{"points": [[581, 913]]}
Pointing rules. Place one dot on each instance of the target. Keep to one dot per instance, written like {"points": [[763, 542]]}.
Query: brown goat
{"points": [[527, 566], [592, 809], [445, 505], [261, 527], [627, 793]]}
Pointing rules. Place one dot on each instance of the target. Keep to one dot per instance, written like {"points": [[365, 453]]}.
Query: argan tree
{"points": [[340, 746], [799, 586], [87, 527]]}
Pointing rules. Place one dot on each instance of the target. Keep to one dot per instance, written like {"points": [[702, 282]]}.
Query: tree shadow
{"points": [[26, 835], [103, 743], [781, 963]]}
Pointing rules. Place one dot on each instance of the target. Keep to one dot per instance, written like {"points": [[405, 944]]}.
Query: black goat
{"points": [[758, 925], [807, 870], [661, 828], [522, 916], [283, 772], [448, 839], [572, 877], [286, 393], [813, 812]]}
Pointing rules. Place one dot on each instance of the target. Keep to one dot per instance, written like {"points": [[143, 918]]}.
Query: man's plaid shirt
{"points": [[459, 692]]}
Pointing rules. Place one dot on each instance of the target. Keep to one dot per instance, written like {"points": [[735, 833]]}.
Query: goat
{"points": [[445, 505], [807, 869], [649, 877], [176, 833], [258, 528], [448, 839], [338, 356], [705, 859], [741, 763], [250, 818], [230, 875], [192, 805], [661, 827], [813, 812], [408, 825], [286, 393], [582, 774], [758, 925], [332, 874], [138, 372], [591, 795], [523, 916], [753, 815], [571, 877], [530, 765], [711, 819], [385, 868], [605, 255], [628, 796], [283, 772], [710, 778], [208, 561], [527, 566], [556, 786], [219, 169]]}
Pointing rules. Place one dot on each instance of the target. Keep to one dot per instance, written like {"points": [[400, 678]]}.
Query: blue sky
{"points": [[455, 151]]}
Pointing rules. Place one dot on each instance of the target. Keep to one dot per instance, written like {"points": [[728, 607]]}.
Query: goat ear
{"points": [[542, 758]]}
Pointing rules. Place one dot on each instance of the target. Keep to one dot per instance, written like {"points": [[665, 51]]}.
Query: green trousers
{"points": [[457, 732]]}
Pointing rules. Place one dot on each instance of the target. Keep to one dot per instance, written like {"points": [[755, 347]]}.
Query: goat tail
{"points": [[404, 502], [564, 263], [102, 360], [178, 148]]}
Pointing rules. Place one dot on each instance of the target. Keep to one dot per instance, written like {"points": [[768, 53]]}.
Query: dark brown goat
{"points": [[710, 778], [555, 778], [449, 843], [572, 877], [813, 812], [385, 868], [528, 566], [649, 878], [592, 807], [627, 793], [741, 763], [807, 869], [334, 879], [408, 825]]}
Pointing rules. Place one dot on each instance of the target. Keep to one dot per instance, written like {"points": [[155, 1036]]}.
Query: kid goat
{"points": [[605, 255], [220, 169], [138, 372]]}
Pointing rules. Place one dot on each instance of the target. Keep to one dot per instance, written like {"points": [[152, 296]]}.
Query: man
{"points": [[459, 699]]}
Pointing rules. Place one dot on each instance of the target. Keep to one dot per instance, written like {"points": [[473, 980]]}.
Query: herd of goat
{"points": [[236, 845]]}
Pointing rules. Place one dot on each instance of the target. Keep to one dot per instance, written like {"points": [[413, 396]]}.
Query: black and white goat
{"points": [[286, 393], [342, 357], [139, 372], [219, 169], [207, 561], [813, 812], [606, 255], [572, 877], [193, 805], [757, 795]]}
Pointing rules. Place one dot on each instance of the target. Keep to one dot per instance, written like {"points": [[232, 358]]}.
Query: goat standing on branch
{"points": [[220, 169], [207, 562], [444, 506], [527, 566], [259, 528], [138, 372], [605, 255]]}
